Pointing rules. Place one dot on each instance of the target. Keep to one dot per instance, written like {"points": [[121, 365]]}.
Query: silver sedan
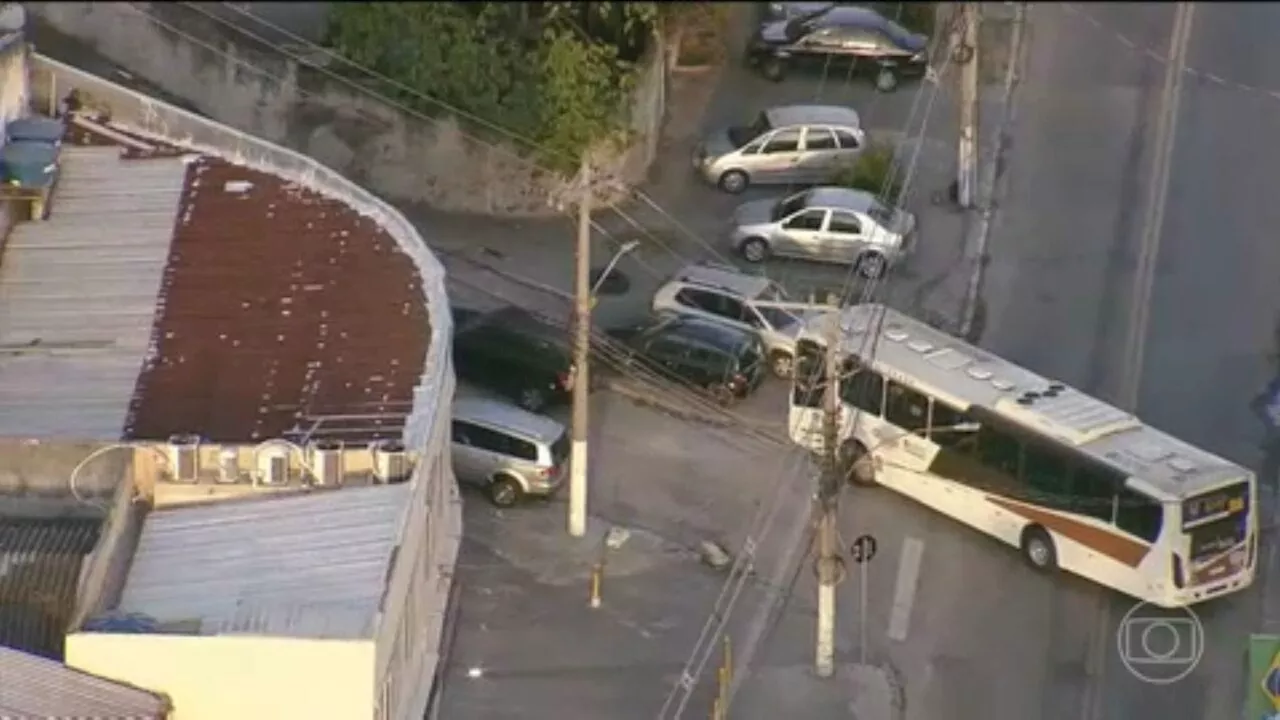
{"points": [[829, 224]]}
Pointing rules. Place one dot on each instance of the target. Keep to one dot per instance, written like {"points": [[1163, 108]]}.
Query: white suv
{"points": [[723, 294]]}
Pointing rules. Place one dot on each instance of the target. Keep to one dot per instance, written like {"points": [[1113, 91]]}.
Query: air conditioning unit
{"points": [[229, 465], [273, 464], [326, 462], [184, 458], [390, 461]]}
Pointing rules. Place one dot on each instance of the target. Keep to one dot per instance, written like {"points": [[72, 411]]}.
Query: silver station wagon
{"points": [[785, 145], [507, 452], [828, 224]]}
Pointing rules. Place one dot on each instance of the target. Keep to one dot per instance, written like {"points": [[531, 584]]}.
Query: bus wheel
{"points": [[1038, 549], [857, 464]]}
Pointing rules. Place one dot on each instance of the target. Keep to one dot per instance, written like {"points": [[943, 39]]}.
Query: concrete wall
{"points": [[103, 573], [36, 478], [236, 676], [431, 527], [253, 86]]}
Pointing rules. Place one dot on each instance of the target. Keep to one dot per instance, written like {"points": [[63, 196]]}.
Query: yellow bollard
{"points": [[715, 710], [596, 572], [722, 681]]}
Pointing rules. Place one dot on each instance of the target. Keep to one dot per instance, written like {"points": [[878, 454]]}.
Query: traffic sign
{"points": [[863, 548]]}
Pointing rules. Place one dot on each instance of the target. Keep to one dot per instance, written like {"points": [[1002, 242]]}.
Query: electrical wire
{"points": [[770, 510], [506, 132], [717, 621]]}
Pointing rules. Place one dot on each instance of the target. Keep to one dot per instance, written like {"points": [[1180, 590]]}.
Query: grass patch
{"points": [[870, 172]]}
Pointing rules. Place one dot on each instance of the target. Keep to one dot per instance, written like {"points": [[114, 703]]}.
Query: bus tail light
{"points": [[1178, 580]]}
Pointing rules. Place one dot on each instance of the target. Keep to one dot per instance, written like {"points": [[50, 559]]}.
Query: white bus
{"points": [[1071, 481]]}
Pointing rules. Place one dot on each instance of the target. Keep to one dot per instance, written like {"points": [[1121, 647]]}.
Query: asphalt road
{"points": [[1057, 297]]}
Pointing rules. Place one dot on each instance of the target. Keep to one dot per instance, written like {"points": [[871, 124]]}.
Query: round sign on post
{"points": [[863, 548]]}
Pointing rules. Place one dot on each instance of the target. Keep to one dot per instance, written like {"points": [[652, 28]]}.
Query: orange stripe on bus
{"points": [[1130, 552]]}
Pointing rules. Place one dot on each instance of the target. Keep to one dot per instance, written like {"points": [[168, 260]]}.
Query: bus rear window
{"points": [[1215, 505]]}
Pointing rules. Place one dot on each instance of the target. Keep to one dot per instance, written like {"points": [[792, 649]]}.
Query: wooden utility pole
{"points": [[581, 355], [830, 568], [966, 54]]}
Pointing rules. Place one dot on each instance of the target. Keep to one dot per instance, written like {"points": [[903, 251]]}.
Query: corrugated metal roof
{"points": [[307, 566], [34, 687], [78, 295], [40, 564]]}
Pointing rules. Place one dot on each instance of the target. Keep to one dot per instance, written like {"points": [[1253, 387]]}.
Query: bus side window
{"points": [[1139, 515], [1096, 487], [999, 452], [950, 428], [1048, 473], [865, 391], [906, 408]]}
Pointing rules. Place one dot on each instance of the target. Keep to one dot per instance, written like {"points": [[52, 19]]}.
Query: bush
{"points": [[870, 172]]}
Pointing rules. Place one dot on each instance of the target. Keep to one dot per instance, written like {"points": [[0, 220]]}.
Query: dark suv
{"points": [[840, 40], [725, 362], [514, 353]]}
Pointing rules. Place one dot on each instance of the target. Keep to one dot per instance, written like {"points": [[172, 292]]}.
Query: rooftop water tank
{"points": [[31, 165], [35, 129]]}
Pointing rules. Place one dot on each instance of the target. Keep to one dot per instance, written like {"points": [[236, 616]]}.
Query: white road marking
{"points": [[904, 591]]}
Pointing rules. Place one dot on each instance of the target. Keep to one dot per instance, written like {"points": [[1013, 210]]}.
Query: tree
{"points": [[557, 73]]}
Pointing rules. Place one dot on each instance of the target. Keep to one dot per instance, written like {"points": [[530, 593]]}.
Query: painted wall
{"points": [[248, 83], [237, 676]]}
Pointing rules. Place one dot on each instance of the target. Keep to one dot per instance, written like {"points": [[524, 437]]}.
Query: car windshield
{"points": [[881, 214], [740, 135], [790, 206], [802, 25], [776, 317]]}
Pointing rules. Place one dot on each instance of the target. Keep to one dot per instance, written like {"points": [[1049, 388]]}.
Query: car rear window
{"points": [[560, 449]]}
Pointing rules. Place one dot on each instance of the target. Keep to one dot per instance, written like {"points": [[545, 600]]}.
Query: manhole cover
{"points": [[616, 283]]}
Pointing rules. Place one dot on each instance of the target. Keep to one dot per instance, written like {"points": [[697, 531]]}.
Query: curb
{"points": [[992, 186]]}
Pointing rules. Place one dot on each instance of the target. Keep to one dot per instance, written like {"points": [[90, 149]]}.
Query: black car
{"points": [[725, 362], [840, 40], [514, 353]]}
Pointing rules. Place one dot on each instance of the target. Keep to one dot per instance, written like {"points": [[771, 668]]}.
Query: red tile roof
{"points": [[278, 305]]}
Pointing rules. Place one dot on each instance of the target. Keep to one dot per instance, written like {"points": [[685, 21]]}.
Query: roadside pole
{"points": [[830, 569], [581, 354], [967, 53]]}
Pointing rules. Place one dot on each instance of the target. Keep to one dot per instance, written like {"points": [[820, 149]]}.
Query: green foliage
{"points": [[870, 172], [557, 73]]}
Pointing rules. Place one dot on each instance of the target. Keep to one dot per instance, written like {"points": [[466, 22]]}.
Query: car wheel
{"points": [[872, 265], [856, 464], [1038, 549], [532, 399], [782, 364], [722, 394], [773, 69], [505, 492], [755, 250], [886, 80], [734, 182]]}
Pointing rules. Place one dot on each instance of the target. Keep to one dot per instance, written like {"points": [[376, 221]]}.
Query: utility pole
{"points": [[581, 354], [830, 569], [966, 54]]}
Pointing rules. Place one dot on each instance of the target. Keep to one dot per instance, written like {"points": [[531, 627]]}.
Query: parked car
{"points": [[509, 453], [724, 361], [784, 145], [751, 303], [829, 224], [512, 352], [839, 40]]}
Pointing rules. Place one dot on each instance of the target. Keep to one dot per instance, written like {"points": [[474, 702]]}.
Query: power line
{"points": [[506, 132], [718, 619]]}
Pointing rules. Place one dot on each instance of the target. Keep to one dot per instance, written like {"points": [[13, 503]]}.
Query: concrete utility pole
{"points": [[581, 354], [967, 55], [830, 567]]}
